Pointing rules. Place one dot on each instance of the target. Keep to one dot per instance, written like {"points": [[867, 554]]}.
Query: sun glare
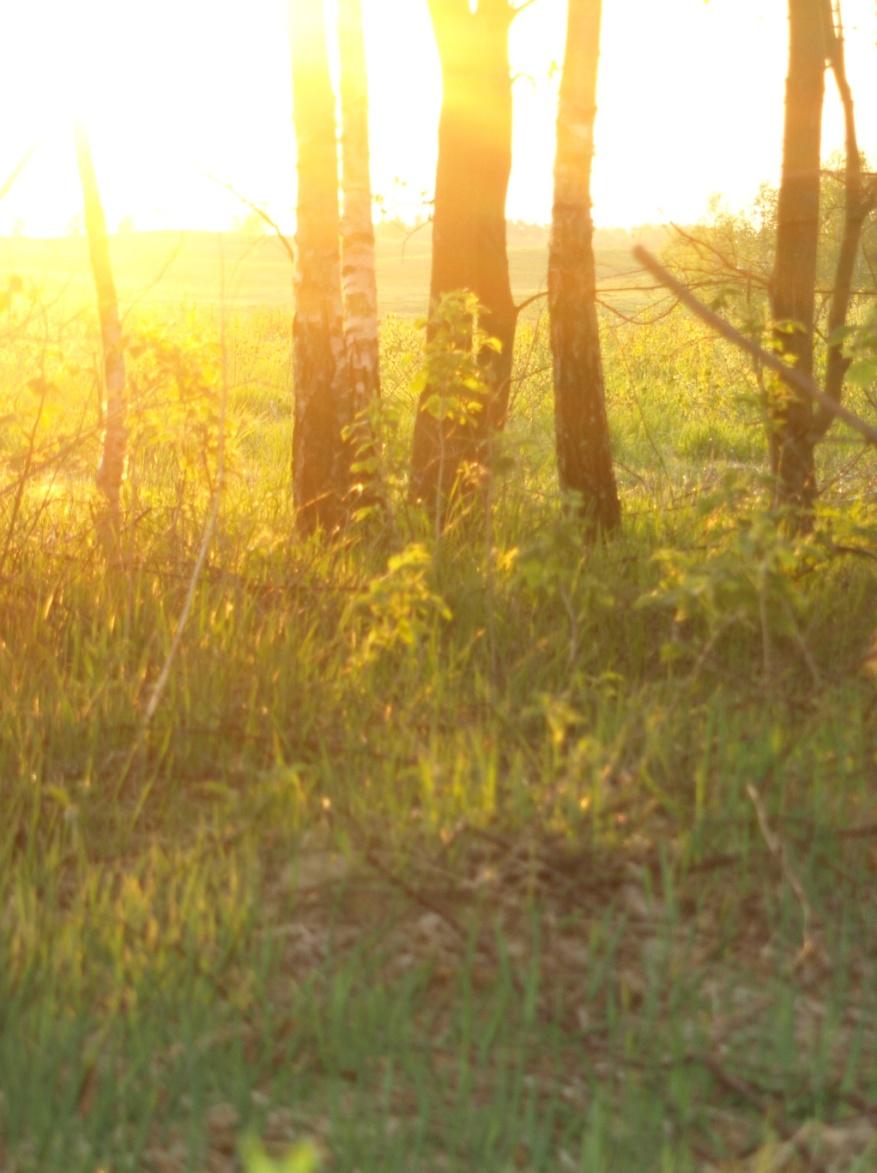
{"points": [[183, 98]]}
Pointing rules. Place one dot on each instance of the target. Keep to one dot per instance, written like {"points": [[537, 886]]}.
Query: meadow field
{"points": [[173, 268], [474, 851]]}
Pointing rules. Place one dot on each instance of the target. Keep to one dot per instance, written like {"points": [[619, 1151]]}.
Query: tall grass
{"points": [[439, 854]]}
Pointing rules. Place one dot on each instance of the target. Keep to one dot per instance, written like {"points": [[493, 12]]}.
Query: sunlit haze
{"points": [[185, 96]]}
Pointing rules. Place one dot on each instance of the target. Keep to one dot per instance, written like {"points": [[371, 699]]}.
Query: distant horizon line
{"points": [[247, 232]]}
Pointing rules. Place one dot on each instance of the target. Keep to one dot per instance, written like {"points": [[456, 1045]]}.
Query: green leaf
{"points": [[304, 1158], [840, 335], [863, 372], [788, 327], [672, 651]]}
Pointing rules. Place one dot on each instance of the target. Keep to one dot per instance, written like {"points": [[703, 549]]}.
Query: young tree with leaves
{"points": [[469, 230], [583, 453]]}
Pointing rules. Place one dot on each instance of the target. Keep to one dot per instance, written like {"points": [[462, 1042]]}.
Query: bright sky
{"points": [[179, 91]]}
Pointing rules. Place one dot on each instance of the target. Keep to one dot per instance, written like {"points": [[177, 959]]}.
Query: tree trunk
{"points": [[583, 453], [469, 227], [323, 400], [794, 275], [858, 204], [111, 470]]}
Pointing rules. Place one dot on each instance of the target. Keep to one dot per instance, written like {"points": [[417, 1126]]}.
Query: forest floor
{"points": [[481, 851]]}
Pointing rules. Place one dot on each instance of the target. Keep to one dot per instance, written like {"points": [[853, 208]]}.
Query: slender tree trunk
{"points": [[858, 204], [469, 226], [111, 470], [493, 152], [358, 278], [583, 453], [794, 275], [323, 400]]}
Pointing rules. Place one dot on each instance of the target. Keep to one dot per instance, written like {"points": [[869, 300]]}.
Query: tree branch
{"points": [[790, 376], [521, 306], [263, 216], [11, 179]]}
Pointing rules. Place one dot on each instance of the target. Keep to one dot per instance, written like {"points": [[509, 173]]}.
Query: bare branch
{"points": [[262, 214], [528, 301], [810, 945], [13, 176], [729, 265], [790, 376]]}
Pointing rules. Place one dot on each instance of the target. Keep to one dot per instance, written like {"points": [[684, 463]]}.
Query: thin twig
{"points": [[262, 214], [809, 946], [528, 301], [206, 539], [13, 176], [210, 524]]}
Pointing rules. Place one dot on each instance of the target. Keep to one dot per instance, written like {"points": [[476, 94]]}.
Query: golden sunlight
{"points": [[182, 99]]}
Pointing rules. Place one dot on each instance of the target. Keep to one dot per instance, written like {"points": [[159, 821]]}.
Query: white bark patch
{"points": [[359, 282]]}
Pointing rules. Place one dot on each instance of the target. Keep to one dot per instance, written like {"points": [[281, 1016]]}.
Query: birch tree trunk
{"points": [[793, 280], [358, 280], [584, 457], [111, 470], [323, 400], [469, 227]]}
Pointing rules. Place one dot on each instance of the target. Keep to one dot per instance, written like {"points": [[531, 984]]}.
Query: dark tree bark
{"points": [[793, 281], [584, 457], [323, 400], [469, 226], [111, 471]]}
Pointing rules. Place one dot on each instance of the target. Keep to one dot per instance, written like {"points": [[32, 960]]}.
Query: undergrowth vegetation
{"points": [[473, 851]]}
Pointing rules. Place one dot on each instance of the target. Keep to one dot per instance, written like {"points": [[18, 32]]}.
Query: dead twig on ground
{"points": [[810, 946]]}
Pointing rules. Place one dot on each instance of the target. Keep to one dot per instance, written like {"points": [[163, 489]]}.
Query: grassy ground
{"points": [[480, 853]]}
